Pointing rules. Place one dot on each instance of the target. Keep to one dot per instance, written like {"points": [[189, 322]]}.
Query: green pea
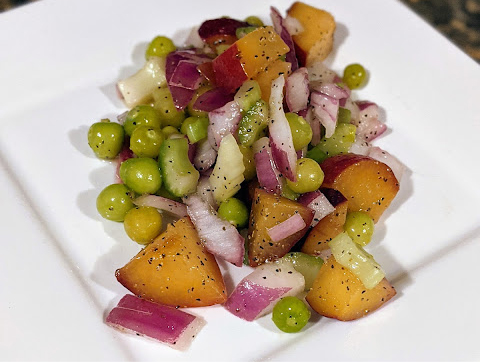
{"points": [[309, 176], [160, 46], [241, 32], [290, 314], [354, 76], [141, 174], [359, 226], [143, 224], [114, 201], [145, 141], [301, 131], [105, 138], [169, 130], [254, 21], [234, 211], [142, 115]]}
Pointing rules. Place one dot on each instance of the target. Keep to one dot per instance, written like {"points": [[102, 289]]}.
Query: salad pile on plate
{"points": [[242, 146]]}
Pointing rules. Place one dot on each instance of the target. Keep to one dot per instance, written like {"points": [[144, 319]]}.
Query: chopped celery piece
{"points": [[253, 123], [179, 175], [316, 154], [248, 94], [196, 128], [308, 265], [228, 172], [139, 87], [352, 256], [289, 193], [169, 114], [340, 142], [344, 115], [249, 162]]}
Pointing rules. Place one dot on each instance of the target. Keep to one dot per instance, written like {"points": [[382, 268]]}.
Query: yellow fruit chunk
{"points": [[338, 293], [271, 73], [260, 48], [175, 269], [368, 185], [269, 210], [315, 42]]}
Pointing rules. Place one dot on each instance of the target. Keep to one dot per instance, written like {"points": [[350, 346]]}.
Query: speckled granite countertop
{"points": [[459, 20]]}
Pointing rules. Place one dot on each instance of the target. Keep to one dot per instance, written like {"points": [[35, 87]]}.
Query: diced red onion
{"points": [[269, 177], [280, 29], [319, 203], [181, 96], [359, 147], [220, 26], [318, 72], [205, 156], [162, 203], [186, 75], [223, 121], [301, 153], [325, 109], [286, 228], [333, 90], [212, 99], [175, 57], [124, 155], [353, 108], [164, 324], [281, 140], [296, 90], [257, 293], [369, 125], [397, 167], [219, 236], [205, 191]]}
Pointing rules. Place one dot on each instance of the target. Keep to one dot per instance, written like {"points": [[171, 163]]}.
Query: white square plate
{"points": [[59, 61]]}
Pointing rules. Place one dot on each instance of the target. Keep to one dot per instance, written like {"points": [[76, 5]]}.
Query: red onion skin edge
{"points": [[162, 323], [249, 299]]}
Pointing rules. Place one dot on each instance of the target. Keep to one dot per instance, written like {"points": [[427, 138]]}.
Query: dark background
{"points": [[459, 20]]}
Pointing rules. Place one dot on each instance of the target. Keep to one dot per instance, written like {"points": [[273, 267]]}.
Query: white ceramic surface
{"points": [[59, 61]]}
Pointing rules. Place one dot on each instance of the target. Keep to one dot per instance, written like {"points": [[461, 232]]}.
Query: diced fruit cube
{"points": [[315, 42], [369, 185], [175, 269], [247, 57], [271, 72], [338, 293], [329, 226], [267, 211]]}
